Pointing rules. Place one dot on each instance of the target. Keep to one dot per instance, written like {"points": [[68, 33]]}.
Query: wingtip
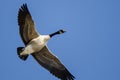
{"points": [[64, 75], [24, 6], [23, 11], [68, 75]]}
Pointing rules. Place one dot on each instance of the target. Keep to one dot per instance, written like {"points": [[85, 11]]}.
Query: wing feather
{"points": [[52, 64], [26, 25]]}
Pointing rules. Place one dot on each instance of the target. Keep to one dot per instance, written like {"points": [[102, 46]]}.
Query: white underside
{"points": [[35, 45]]}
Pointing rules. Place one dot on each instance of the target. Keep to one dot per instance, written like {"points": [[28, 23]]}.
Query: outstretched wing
{"points": [[52, 64], [26, 25]]}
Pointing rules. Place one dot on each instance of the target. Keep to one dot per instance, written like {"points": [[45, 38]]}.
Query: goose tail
{"points": [[23, 57]]}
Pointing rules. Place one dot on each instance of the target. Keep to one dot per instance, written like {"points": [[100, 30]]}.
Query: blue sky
{"points": [[90, 49]]}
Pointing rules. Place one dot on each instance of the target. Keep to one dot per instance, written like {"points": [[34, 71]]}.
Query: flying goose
{"points": [[36, 45]]}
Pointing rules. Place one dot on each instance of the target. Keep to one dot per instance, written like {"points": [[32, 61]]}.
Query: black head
{"points": [[61, 31], [58, 32]]}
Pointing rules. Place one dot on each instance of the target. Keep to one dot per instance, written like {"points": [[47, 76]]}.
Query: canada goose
{"points": [[35, 44]]}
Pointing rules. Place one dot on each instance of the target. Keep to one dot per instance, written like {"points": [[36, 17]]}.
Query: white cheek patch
{"points": [[60, 32]]}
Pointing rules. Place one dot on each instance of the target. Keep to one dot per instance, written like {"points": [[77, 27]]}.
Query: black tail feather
{"points": [[23, 57]]}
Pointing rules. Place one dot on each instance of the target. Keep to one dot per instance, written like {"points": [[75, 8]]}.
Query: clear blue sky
{"points": [[90, 49]]}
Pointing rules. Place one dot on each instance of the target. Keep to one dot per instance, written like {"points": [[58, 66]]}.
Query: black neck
{"points": [[53, 34]]}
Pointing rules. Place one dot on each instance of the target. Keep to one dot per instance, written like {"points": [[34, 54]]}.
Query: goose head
{"points": [[61, 31]]}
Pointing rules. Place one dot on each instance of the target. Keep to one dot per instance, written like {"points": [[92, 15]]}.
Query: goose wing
{"points": [[26, 25], [49, 61]]}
